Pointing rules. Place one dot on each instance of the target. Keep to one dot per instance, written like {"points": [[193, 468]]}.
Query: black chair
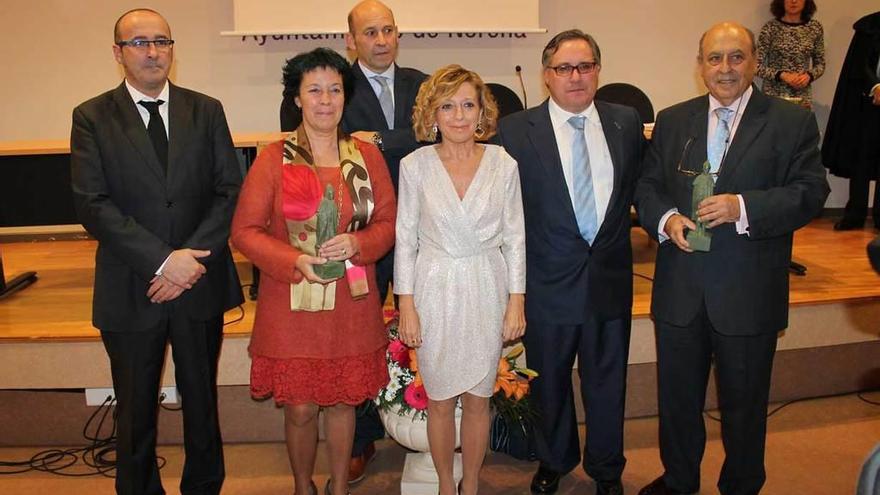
{"points": [[629, 95], [508, 102]]}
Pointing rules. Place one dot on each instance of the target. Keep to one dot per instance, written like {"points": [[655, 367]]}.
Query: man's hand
{"points": [[718, 209], [162, 290], [876, 98], [182, 267], [675, 229], [364, 135]]}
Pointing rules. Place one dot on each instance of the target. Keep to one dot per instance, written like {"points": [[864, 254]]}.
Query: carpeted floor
{"points": [[814, 447]]}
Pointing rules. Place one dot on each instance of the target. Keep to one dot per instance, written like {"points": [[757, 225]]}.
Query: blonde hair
{"points": [[442, 85]]}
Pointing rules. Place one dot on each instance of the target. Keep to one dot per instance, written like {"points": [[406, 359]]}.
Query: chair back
{"points": [[508, 102], [629, 95]]}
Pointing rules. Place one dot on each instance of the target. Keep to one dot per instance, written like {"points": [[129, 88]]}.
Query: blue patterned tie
{"points": [[584, 200], [718, 143], [385, 100]]}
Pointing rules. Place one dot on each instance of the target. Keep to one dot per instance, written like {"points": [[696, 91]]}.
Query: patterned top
{"points": [[790, 47]]}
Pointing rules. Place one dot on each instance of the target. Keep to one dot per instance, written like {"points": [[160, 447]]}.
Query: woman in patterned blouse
{"points": [[791, 50]]}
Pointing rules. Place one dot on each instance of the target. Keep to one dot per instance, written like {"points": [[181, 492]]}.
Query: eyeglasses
{"points": [[565, 70], [694, 173], [160, 44]]}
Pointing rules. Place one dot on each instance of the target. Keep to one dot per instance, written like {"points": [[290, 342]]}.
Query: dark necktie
{"points": [[156, 130]]}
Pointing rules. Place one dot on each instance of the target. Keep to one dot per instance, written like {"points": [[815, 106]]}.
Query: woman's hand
{"points": [[409, 328], [514, 318], [797, 80], [305, 263], [340, 247]]}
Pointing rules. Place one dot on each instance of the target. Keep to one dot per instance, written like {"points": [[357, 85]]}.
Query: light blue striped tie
{"points": [[385, 100], [719, 140], [584, 199]]}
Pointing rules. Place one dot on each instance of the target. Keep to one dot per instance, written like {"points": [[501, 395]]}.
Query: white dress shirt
{"points": [[145, 114], [137, 96], [377, 88], [601, 166], [738, 106]]}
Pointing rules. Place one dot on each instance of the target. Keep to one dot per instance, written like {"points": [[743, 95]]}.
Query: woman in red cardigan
{"points": [[318, 339]]}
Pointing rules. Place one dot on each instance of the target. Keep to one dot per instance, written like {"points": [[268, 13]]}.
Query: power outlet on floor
{"points": [[102, 396]]}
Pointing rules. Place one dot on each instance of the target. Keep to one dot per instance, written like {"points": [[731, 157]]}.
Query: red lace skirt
{"points": [[325, 382]]}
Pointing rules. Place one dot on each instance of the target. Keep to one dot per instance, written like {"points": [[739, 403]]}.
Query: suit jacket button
{"points": [[169, 204]]}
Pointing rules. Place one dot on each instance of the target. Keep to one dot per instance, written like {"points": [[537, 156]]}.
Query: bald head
{"points": [[731, 28], [367, 8], [133, 16], [727, 61], [372, 33]]}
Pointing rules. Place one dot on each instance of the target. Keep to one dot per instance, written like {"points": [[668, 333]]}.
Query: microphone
{"points": [[522, 86]]}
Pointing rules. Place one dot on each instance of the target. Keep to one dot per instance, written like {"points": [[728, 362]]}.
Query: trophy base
{"points": [[330, 270], [699, 242]]}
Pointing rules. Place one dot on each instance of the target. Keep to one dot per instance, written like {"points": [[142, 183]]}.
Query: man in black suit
{"points": [[726, 304], [578, 163], [155, 180], [380, 111]]}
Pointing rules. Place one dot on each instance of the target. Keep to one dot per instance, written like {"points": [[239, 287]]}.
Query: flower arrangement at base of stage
{"points": [[511, 397], [406, 392]]}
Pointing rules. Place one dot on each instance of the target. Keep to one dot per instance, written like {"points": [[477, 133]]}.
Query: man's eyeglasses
{"points": [[565, 70], [160, 44]]}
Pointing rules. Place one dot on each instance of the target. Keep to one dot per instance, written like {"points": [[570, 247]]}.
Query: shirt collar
{"points": [[389, 73], [138, 96], [560, 116], [738, 105]]}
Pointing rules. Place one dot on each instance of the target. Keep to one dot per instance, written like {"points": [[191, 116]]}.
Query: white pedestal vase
{"points": [[419, 475]]}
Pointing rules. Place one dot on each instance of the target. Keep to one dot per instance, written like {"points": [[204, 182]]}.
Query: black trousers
{"points": [[136, 360], [367, 425], [602, 349], [857, 204], [742, 367]]}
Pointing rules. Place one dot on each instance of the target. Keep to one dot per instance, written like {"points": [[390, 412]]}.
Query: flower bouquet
{"points": [[511, 431], [405, 391]]}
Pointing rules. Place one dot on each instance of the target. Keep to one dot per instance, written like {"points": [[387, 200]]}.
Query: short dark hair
{"points": [[777, 8], [116, 36], [571, 34], [296, 67]]}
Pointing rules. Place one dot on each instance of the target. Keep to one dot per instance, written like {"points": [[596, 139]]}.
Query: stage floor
{"points": [[58, 306]]}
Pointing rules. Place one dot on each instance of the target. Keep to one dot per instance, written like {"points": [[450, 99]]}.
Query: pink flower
{"points": [[416, 397], [399, 353]]}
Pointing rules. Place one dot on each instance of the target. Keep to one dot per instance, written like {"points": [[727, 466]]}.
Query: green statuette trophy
{"points": [[328, 222], [704, 186]]}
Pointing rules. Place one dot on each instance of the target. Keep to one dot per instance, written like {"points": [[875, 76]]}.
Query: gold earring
{"points": [[434, 131]]}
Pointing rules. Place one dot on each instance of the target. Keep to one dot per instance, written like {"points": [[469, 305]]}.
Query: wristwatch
{"points": [[377, 140]]}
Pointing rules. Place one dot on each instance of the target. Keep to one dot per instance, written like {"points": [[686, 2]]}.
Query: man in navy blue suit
{"points": [[379, 111], [578, 163]]}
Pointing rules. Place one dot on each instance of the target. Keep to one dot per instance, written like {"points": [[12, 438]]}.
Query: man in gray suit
{"points": [[155, 180], [726, 304]]}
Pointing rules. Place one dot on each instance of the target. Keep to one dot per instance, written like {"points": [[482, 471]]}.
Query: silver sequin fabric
{"points": [[460, 259]]}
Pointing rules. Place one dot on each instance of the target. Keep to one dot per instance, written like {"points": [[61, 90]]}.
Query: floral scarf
{"points": [[301, 196]]}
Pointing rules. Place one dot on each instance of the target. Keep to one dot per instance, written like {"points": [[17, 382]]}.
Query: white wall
{"points": [[56, 53]]}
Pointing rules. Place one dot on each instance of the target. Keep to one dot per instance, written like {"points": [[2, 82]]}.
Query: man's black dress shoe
{"points": [[657, 487], [545, 481], [609, 487], [847, 223]]}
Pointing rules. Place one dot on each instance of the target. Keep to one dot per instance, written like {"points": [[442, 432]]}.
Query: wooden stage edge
{"points": [[57, 308]]}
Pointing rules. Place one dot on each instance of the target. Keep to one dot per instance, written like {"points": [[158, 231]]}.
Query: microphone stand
{"points": [[16, 283]]}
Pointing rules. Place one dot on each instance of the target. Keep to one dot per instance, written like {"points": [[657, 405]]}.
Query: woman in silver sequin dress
{"points": [[459, 262]]}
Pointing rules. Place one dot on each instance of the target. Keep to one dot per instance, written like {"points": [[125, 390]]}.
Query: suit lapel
{"points": [[543, 140], [367, 99], [180, 115], [613, 132], [133, 126], [753, 120], [696, 153], [402, 87]]}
